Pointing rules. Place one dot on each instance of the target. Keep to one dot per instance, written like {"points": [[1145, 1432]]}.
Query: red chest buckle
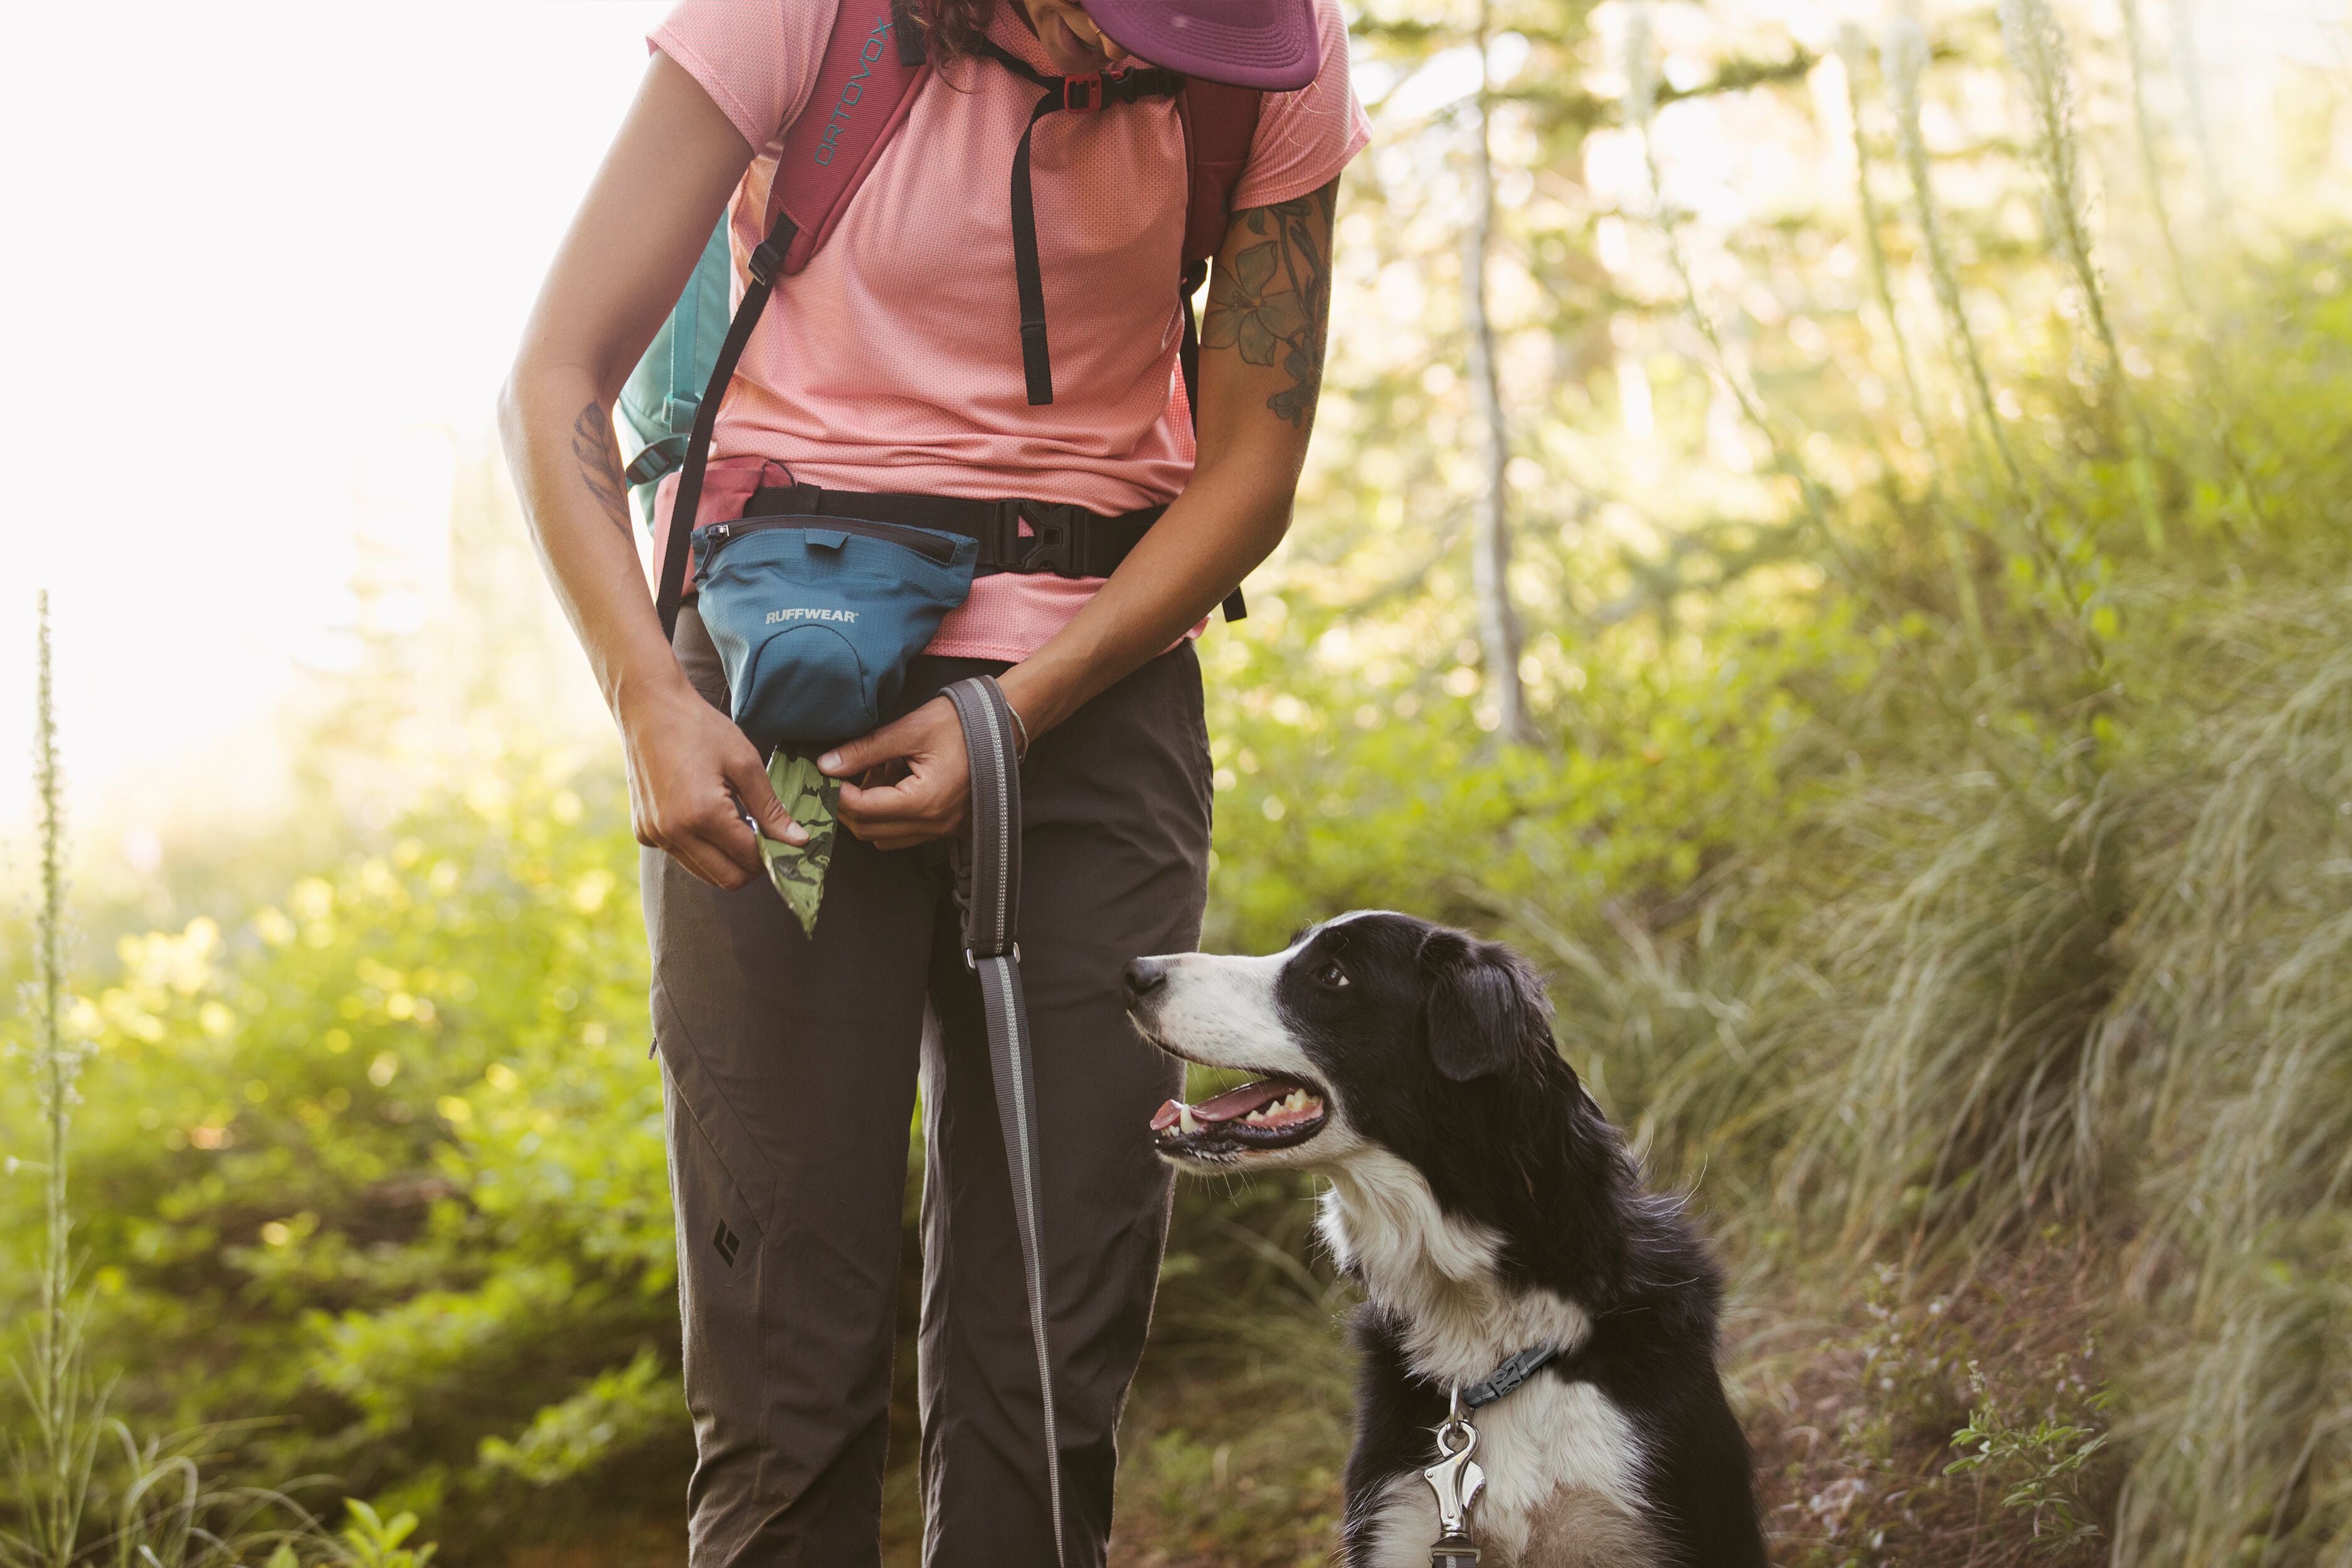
{"points": [[1085, 93]]}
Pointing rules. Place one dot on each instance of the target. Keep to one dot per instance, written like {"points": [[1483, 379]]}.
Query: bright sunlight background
{"points": [[268, 270], [271, 261]]}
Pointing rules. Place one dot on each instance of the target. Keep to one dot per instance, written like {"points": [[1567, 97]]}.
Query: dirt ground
{"points": [[1851, 1414]]}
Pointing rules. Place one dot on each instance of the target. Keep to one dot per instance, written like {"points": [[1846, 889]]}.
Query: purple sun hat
{"points": [[1274, 46]]}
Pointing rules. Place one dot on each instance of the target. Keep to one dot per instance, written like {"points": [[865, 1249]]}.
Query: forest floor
{"points": [[1850, 1412]]}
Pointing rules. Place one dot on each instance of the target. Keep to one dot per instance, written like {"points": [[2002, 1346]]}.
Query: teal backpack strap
{"points": [[658, 403]]}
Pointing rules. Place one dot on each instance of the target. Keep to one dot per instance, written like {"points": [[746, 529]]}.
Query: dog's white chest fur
{"points": [[1563, 1462], [1559, 1462]]}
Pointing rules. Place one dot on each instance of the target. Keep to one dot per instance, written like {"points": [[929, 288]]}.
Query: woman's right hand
{"points": [[688, 768]]}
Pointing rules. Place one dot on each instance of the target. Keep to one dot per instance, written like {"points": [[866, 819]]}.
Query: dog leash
{"points": [[988, 884], [1456, 1477]]}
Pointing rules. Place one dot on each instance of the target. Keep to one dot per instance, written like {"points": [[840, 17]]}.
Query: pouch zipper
{"points": [[923, 543]]}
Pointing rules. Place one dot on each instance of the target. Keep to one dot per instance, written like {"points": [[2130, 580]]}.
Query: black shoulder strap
{"points": [[1062, 92], [767, 262]]}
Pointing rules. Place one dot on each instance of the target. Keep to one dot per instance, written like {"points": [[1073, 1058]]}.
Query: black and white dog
{"points": [[1488, 1210]]}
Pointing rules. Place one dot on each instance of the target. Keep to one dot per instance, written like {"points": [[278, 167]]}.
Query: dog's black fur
{"points": [[1438, 1048]]}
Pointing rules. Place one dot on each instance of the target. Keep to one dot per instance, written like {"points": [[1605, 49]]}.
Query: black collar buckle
{"points": [[1507, 1376]]}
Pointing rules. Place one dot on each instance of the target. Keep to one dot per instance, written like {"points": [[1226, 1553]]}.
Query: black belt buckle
{"points": [[1053, 542]]}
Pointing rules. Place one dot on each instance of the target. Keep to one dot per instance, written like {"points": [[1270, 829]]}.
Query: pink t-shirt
{"points": [[893, 361]]}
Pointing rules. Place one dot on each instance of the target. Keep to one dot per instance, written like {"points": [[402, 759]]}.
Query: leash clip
{"points": [[1457, 1481]]}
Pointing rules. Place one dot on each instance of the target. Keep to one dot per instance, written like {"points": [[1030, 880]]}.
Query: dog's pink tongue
{"points": [[1226, 1107], [1241, 1101]]}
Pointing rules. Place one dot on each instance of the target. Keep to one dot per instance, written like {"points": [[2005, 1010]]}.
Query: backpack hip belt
{"points": [[1064, 540]]}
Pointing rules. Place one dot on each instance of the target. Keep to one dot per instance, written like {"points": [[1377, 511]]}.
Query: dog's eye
{"points": [[1332, 975]]}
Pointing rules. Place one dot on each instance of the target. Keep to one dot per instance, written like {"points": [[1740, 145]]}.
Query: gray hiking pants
{"points": [[791, 1064]]}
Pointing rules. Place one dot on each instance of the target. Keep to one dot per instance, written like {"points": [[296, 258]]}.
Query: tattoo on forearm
{"points": [[1273, 303], [600, 465]]}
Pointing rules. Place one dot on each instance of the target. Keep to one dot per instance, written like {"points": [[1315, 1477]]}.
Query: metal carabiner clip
{"points": [[1457, 1481]]}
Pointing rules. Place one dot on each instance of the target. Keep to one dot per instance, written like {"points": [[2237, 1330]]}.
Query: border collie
{"points": [[1488, 1209]]}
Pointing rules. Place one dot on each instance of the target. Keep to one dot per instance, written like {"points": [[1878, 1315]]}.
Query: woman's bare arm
{"points": [[629, 252], [1261, 343], [1261, 340]]}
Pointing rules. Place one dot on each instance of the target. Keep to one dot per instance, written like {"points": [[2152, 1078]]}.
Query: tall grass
{"points": [[53, 1463], [2058, 959], [1903, 54], [2030, 30], [87, 1492], [1853, 54], [1641, 113]]}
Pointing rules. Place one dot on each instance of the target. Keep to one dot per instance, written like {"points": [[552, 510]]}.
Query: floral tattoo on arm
{"points": [[1274, 302], [600, 465]]}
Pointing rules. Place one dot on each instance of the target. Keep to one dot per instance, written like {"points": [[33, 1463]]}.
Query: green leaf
{"points": [[798, 871]]}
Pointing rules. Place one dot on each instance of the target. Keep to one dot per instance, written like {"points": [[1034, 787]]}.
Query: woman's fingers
{"points": [[748, 781], [708, 859], [692, 776], [922, 805], [709, 839], [924, 802], [898, 738]]}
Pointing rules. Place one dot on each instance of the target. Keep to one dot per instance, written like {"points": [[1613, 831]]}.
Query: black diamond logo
{"points": [[726, 1241]]}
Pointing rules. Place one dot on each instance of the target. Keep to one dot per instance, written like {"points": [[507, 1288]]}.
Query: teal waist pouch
{"points": [[816, 618]]}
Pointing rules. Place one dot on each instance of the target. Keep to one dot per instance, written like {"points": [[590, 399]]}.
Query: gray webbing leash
{"points": [[989, 882]]}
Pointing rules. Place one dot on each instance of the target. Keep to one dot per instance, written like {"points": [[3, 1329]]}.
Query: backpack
{"points": [[873, 66]]}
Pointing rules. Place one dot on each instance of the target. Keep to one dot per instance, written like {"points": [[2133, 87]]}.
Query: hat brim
{"points": [[1274, 46]]}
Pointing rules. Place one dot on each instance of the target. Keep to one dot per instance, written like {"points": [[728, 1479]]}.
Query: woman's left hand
{"points": [[917, 778]]}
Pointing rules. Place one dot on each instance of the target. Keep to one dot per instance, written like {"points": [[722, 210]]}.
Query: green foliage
{"points": [[616, 1413], [372, 1541], [1936, 838], [393, 1168], [2039, 1470], [75, 1468]]}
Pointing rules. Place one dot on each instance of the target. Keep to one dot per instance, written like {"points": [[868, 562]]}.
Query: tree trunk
{"points": [[1490, 563]]}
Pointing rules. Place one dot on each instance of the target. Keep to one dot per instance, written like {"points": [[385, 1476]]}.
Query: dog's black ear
{"points": [[1485, 1007]]}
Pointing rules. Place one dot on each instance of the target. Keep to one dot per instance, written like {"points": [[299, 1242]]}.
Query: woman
{"points": [[891, 365]]}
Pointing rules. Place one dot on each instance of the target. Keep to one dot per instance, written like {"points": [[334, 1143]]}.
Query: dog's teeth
{"points": [[1185, 1121]]}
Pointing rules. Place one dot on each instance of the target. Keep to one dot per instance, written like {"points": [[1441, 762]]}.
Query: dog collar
{"points": [[1508, 1376], [1456, 1477]]}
